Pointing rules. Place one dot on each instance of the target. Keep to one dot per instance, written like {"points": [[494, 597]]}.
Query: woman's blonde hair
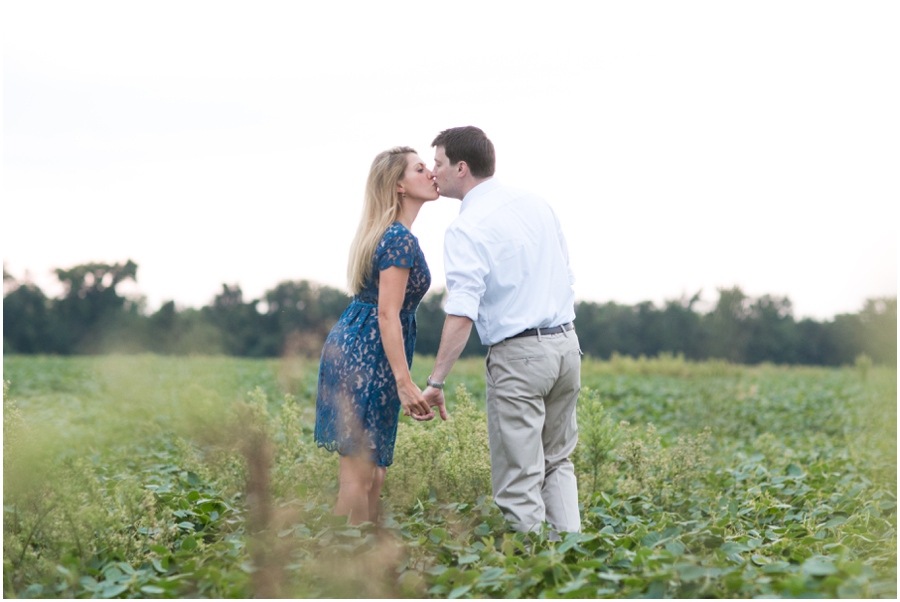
{"points": [[381, 208]]}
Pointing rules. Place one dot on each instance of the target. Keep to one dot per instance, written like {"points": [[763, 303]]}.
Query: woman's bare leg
{"points": [[356, 478]]}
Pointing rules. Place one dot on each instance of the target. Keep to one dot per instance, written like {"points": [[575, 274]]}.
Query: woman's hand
{"points": [[413, 402]]}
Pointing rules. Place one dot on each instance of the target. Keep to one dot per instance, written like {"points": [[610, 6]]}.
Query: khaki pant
{"points": [[532, 389]]}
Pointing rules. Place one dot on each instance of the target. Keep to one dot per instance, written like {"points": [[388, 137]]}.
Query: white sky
{"points": [[684, 145]]}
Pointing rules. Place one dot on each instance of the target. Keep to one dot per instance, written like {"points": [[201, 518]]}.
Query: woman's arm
{"points": [[391, 291]]}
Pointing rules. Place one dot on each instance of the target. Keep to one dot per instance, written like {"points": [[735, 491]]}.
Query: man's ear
{"points": [[462, 169]]}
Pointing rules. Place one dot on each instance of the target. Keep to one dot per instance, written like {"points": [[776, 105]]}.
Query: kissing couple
{"points": [[507, 269]]}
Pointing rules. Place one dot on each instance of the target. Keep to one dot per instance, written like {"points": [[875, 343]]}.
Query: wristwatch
{"points": [[433, 384]]}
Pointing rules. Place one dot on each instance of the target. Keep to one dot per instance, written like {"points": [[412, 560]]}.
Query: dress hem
{"points": [[334, 446]]}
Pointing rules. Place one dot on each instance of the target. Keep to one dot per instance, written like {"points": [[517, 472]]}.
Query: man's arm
{"points": [[465, 269], [454, 337], [453, 340]]}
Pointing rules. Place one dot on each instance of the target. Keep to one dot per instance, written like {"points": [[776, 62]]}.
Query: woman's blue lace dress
{"points": [[357, 407]]}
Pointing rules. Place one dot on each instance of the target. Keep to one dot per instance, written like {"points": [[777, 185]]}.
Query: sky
{"points": [[685, 146]]}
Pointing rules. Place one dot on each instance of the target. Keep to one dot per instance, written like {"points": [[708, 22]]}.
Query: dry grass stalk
{"points": [[267, 552]]}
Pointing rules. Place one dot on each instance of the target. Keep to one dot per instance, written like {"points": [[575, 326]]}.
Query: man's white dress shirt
{"points": [[507, 263]]}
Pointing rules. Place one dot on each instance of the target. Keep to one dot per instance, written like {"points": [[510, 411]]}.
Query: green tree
{"points": [[726, 326], [649, 329], [607, 328], [771, 331], [299, 315], [90, 308], [239, 323], [844, 341], [681, 327], [26, 319], [878, 319], [814, 346]]}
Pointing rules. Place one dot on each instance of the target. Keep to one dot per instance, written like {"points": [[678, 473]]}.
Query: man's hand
{"points": [[435, 399]]}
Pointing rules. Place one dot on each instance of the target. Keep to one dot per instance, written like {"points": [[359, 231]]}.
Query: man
{"points": [[507, 267]]}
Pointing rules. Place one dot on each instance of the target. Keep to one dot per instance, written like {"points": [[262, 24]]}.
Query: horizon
{"points": [[131, 291]]}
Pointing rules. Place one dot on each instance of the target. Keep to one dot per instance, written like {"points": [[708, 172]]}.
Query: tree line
{"points": [[294, 318]]}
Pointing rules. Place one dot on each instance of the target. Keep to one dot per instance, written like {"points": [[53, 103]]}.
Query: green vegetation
{"points": [[294, 318], [149, 476]]}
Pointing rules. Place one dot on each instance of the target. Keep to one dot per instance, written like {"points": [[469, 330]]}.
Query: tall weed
{"points": [[598, 436], [302, 470]]}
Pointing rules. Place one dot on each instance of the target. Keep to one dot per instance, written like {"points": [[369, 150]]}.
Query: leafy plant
{"points": [[136, 477], [598, 436], [660, 472]]}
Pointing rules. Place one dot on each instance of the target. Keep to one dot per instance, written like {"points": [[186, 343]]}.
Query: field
{"points": [[148, 476]]}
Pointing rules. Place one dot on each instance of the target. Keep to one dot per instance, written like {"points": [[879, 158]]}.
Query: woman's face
{"points": [[418, 182]]}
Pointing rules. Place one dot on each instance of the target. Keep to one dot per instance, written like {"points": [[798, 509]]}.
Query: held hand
{"points": [[435, 399], [413, 402]]}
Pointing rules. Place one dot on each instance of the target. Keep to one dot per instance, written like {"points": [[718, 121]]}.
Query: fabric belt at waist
{"points": [[403, 312], [533, 332]]}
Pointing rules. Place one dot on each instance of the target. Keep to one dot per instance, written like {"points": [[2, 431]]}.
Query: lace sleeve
{"points": [[397, 248]]}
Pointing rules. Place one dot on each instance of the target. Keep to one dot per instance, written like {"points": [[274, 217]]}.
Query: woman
{"points": [[364, 372]]}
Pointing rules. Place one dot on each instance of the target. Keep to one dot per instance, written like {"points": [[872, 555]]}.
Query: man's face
{"points": [[445, 174]]}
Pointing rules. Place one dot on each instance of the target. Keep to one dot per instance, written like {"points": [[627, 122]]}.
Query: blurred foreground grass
{"points": [[147, 476]]}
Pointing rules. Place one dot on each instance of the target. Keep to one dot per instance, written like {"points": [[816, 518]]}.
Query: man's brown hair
{"points": [[471, 145]]}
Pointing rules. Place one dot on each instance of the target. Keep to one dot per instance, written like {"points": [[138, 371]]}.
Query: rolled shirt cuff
{"points": [[462, 303]]}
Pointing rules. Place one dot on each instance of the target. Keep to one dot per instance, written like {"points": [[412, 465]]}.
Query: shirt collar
{"points": [[481, 189]]}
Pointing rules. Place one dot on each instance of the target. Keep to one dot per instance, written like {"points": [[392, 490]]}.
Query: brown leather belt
{"points": [[533, 332]]}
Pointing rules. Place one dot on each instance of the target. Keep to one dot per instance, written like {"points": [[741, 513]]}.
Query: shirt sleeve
{"points": [[564, 247], [397, 248], [466, 270]]}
